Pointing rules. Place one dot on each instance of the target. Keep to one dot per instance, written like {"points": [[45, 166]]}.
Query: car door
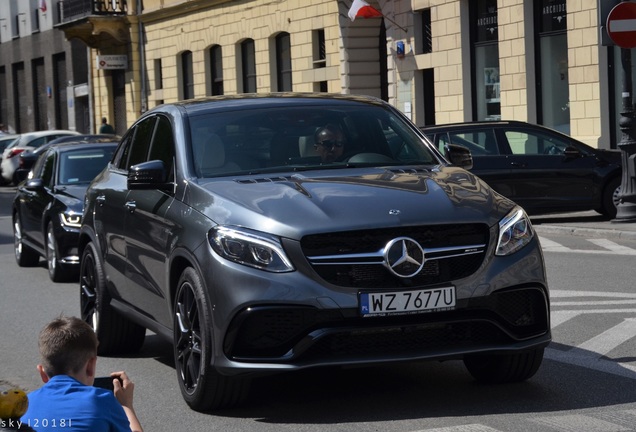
{"points": [[488, 161], [147, 231], [109, 193], [36, 200], [549, 172]]}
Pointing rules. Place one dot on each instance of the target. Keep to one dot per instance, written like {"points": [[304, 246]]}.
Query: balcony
{"points": [[98, 23]]}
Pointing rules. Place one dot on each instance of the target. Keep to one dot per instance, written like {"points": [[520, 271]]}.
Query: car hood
{"points": [[301, 204], [72, 196]]}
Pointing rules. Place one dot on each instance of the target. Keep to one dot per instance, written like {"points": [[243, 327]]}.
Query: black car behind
{"points": [[47, 208], [539, 168]]}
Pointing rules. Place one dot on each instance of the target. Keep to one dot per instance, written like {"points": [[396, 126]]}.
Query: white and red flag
{"points": [[362, 9], [43, 5]]}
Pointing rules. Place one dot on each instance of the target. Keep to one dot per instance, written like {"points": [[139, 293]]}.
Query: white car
{"points": [[27, 141]]}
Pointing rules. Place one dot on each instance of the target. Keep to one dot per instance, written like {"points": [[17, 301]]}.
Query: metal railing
{"points": [[77, 9]]}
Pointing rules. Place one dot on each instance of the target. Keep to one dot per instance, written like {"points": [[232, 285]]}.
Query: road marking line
{"points": [[603, 343], [585, 303], [606, 294], [559, 317], [615, 247], [552, 246]]}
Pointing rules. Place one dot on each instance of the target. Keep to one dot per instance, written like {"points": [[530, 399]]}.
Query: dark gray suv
{"points": [[272, 233]]}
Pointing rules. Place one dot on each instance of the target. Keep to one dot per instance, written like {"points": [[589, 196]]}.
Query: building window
{"points": [[553, 83], [216, 70], [283, 62], [187, 75], [158, 75], [319, 49], [248, 66], [425, 35], [485, 37]]}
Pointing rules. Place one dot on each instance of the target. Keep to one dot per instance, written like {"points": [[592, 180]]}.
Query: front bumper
{"points": [[298, 337]]}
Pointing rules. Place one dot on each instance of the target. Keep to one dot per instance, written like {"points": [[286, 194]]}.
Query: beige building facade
{"points": [[438, 61]]}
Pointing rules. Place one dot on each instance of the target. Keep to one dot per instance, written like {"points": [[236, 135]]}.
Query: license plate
{"points": [[404, 302]]}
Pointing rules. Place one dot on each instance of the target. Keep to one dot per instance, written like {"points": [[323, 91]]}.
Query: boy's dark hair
{"points": [[66, 344]]}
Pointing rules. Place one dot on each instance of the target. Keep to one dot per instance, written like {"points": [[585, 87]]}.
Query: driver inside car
{"points": [[330, 142]]}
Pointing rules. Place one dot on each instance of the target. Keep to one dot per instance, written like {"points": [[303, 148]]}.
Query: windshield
{"points": [[300, 139], [82, 166]]}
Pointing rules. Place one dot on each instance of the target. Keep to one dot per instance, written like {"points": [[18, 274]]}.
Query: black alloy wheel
{"points": [[116, 333], [57, 271], [24, 255], [202, 387]]}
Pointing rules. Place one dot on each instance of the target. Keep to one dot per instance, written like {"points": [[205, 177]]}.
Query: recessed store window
{"points": [[216, 70], [552, 63], [485, 41], [248, 66], [319, 49], [283, 62], [187, 75]]}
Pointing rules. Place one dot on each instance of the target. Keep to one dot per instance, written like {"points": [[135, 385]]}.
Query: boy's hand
{"points": [[123, 388]]}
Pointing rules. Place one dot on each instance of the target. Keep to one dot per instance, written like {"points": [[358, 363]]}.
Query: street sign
{"points": [[621, 24]]}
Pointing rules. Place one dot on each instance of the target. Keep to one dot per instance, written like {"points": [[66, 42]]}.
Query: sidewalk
{"points": [[584, 224]]}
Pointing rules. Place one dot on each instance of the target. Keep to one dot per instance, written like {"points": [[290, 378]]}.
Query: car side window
{"points": [[480, 142], [162, 147], [121, 156], [48, 169], [531, 143], [141, 142], [37, 142]]}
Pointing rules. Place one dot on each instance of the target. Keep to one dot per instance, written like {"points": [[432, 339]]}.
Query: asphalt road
{"points": [[586, 383]]}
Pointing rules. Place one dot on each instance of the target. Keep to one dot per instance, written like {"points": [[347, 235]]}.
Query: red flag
{"points": [[43, 6], [362, 9]]}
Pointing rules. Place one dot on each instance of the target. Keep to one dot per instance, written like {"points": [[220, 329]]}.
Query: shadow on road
{"points": [[415, 390]]}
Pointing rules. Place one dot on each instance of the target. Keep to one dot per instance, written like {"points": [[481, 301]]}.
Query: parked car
{"points": [[27, 141], [28, 158], [47, 208], [219, 226], [539, 168], [5, 141]]}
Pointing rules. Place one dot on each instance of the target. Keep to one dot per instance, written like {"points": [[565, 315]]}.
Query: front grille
{"points": [[305, 334], [355, 258]]}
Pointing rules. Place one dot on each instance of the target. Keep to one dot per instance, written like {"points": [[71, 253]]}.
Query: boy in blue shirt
{"points": [[68, 401]]}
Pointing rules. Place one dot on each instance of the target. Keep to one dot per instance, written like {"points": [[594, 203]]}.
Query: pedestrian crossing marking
{"points": [[609, 247], [605, 342]]}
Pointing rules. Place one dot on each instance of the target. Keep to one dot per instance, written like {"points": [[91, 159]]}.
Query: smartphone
{"points": [[105, 382]]}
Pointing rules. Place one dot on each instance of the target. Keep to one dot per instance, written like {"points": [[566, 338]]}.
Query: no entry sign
{"points": [[621, 25]]}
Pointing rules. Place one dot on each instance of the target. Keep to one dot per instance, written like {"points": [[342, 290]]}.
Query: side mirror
{"points": [[148, 175], [459, 155], [34, 184]]}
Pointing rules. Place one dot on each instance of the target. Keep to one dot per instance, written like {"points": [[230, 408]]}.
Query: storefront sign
{"points": [[112, 62]]}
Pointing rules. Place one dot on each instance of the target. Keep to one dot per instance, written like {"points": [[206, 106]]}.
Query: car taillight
{"points": [[14, 152]]}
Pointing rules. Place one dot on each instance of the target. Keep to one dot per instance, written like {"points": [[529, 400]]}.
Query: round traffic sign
{"points": [[621, 24]]}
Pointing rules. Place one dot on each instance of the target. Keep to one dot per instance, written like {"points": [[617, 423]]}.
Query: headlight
{"points": [[71, 219], [515, 231], [250, 248]]}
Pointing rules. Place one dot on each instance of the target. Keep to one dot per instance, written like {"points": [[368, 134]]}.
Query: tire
{"points": [[116, 333], [24, 255], [610, 198], [499, 369], [57, 271], [202, 387]]}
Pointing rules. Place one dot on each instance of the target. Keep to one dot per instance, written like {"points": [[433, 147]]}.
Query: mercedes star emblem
{"points": [[404, 257]]}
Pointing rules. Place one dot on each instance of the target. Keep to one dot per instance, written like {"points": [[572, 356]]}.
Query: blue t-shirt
{"points": [[66, 405]]}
